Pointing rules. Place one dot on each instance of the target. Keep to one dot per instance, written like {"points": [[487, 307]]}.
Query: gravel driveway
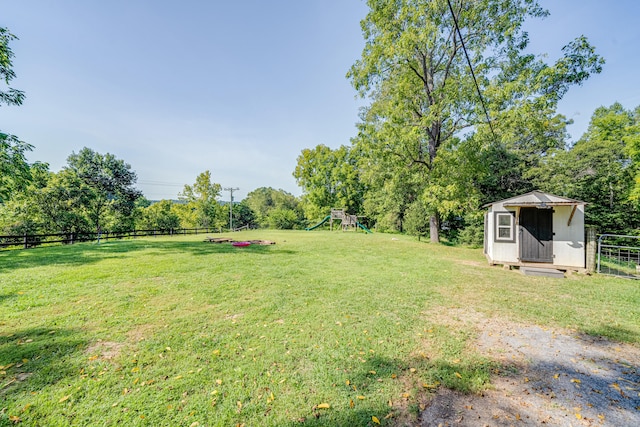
{"points": [[553, 377]]}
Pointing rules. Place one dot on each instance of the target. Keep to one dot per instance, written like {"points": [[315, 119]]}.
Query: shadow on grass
{"points": [[36, 357], [204, 248], [545, 393], [4, 297], [348, 417], [612, 332], [417, 377], [87, 253]]}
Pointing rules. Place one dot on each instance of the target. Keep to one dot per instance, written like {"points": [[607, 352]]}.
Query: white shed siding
{"points": [[568, 240], [502, 251]]}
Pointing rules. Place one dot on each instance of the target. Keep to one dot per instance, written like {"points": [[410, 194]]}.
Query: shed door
{"points": [[536, 235]]}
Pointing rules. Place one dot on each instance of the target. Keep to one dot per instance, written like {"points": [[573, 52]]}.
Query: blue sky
{"points": [[236, 87]]}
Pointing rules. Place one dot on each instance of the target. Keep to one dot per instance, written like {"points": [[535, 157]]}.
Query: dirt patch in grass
{"points": [[140, 333], [553, 377], [105, 350]]}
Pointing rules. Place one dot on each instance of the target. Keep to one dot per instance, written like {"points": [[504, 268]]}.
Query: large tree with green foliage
{"points": [[598, 169], [202, 208], [329, 179], [631, 139], [62, 203], [422, 94], [8, 95], [275, 208], [243, 215], [107, 186], [159, 216], [14, 169]]}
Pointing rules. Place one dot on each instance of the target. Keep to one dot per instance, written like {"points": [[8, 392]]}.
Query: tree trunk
{"points": [[434, 228]]}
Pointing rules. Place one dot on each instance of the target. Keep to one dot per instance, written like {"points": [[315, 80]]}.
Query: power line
{"points": [[168, 184], [473, 74]]}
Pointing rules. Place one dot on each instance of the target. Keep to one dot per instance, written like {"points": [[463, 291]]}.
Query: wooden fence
{"points": [[32, 240]]}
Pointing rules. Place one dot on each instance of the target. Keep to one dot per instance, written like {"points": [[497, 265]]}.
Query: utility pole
{"points": [[231, 190]]}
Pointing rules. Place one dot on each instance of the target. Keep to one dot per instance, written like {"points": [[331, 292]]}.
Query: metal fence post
{"points": [[599, 250], [591, 250]]}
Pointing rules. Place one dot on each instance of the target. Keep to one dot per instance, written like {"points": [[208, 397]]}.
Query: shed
{"points": [[536, 229]]}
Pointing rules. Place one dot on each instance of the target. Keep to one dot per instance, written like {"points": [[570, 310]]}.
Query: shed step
{"points": [[544, 272]]}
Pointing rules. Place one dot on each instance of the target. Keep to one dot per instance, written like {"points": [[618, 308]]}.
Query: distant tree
{"points": [[188, 214], [62, 203], [283, 219], [159, 216], [51, 203], [391, 189], [202, 203], [107, 184], [329, 179], [275, 208], [243, 215], [598, 169]]}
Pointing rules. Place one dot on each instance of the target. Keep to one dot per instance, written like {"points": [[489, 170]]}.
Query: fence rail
{"points": [[619, 255], [25, 241]]}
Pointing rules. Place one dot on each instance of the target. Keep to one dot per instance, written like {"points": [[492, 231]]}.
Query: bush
{"points": [[283, 219], [416, 220], [472, 233]]}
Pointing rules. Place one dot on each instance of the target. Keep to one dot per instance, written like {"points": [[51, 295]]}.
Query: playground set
{"points": [[348, 222]]}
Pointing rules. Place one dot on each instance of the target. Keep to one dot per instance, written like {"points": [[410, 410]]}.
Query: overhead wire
{"points": [[473, 74]]}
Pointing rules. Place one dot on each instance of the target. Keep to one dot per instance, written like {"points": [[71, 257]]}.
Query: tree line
{"points": [[96, 192], [458, 113]]}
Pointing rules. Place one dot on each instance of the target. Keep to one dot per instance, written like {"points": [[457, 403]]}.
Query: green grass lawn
{"points": [[177, 332]]}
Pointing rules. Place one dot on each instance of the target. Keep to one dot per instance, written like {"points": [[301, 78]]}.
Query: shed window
{"points": [[504, 227]]}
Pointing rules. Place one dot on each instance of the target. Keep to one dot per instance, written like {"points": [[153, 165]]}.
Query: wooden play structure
{"points": [[348, 222]]}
